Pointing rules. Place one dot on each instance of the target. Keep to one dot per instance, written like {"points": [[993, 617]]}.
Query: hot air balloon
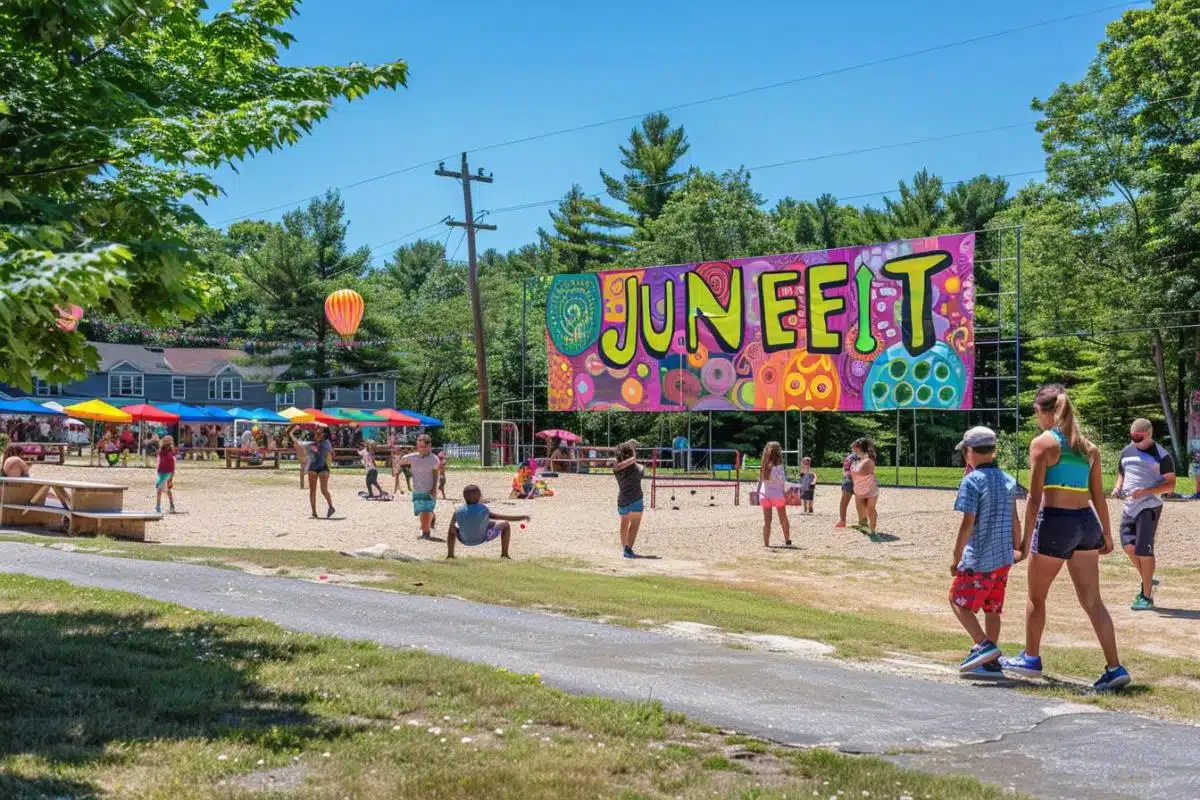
{"points": [[68, 318], [344, 310]]}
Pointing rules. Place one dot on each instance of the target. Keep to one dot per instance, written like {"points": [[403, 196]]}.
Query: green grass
{"points": [[107, 694], [650, 600]]}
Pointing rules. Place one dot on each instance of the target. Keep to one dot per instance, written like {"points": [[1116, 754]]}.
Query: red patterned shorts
{"points": [[977, 591]]}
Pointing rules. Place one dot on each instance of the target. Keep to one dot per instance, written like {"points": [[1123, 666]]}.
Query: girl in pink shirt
{"points": [[772, 476]]}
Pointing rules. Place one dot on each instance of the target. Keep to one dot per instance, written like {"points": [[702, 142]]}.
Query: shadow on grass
{"points": [[74, 683]]}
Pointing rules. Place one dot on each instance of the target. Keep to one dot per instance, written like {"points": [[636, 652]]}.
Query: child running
{"points": [[367, 454], [808, 484], [630, 503], [165, 483], [425, 468], [772, 476], [866, 487], [988, 544], [474, 523]]}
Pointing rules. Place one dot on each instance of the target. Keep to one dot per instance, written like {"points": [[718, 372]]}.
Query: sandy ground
{"points": [[701, 534]]}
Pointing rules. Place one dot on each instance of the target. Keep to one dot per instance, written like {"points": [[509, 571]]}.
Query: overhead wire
{"points": [[712, 99]]}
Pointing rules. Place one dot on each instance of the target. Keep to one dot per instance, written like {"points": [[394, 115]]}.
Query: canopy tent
{"points": [[363, 418], [24, 405], [267, 415], [558, 433], [144, 412], [186, 413], [427, 422], [216, 414], [240, 413], [71, 422], [397, 419], [296, 416], [98, 411], [323, 418], [54, 405]]}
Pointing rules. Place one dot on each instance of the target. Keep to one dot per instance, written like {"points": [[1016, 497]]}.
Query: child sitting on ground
{"points": [[989, 542], [808, 484], [474, 523]]}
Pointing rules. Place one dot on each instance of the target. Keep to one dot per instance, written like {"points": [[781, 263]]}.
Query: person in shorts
{"points": [[630, 500], [1145, 472], [772, 492], [847, 488], [988, 544], [165, 481], [808, 484], [441, 485], [425, 467], [474, 524]]}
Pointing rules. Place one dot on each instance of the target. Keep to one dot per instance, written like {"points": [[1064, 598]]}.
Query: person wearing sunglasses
{"points": [[1146, 472]]}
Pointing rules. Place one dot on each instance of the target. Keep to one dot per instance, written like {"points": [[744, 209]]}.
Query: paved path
{"points": [[1048, 749]]}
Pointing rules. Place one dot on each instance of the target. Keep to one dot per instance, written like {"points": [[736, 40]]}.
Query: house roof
{"points": [[198, 361]]}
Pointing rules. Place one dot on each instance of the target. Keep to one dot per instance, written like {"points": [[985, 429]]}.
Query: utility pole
{"points": [[471, 226]]}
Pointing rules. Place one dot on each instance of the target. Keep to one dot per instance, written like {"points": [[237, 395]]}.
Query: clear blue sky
{"points": [[488, 72]]}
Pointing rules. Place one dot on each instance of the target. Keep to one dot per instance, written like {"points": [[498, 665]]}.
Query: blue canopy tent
{"points": [[26, 406], [187, 413], [267, 415], [239, 413], [426, 421], [217, 414]]}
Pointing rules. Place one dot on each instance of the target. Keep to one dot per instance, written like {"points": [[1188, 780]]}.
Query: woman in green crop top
{"points": [[1066, 522]]}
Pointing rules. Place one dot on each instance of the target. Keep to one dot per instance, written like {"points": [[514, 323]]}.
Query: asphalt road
{"points": [[1048, 749]]}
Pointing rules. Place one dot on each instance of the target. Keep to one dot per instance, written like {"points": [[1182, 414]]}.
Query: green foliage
{"points": [[654, 150], [584, 234], [112, 116]]}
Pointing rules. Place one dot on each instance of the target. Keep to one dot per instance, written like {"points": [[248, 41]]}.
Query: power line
{"points": [[715, 99], [410, 234]]}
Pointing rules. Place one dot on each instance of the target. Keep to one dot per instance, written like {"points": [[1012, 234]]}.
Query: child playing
{"points": [[989, 542], [847, 487], [474, 523], [772, 494], [367, 453], [425, 468], [442, 473], [808, 484], [165, 483], [866, 487], [630, 504]]}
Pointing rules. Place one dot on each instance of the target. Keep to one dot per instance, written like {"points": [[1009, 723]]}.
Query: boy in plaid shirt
{"points": [[988, 544]]}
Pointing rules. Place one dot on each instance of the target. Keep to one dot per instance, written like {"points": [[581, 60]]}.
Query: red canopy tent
{"points": [[397, 419], [326, 419], [143, 413]]}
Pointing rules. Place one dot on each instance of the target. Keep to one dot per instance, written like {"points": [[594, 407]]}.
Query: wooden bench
{"points": [[87, 508]]}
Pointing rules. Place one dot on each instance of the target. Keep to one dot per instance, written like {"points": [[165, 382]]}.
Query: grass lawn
{"points": [[1165, 684], [107, 694]]}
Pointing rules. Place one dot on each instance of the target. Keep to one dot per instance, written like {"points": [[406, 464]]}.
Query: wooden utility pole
{"points": [[471, 226]]}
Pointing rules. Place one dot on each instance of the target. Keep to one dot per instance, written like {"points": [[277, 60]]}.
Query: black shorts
{"points": [[807, 494], [1139, 530], [1062, 531]]}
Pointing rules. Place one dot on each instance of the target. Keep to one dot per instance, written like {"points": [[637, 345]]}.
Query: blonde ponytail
{"points": [[1054, 397]]}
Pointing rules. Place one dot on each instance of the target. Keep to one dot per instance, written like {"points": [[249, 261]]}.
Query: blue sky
{"points": [[483, 73]]}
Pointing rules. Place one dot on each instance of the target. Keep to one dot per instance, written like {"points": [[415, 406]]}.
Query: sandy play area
{"points": [[828, 567]]}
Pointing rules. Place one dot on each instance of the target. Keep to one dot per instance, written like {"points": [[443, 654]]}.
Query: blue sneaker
{"points": [[1023, 664], [1112, 679], [629, 553], [983, 653], [989, 671]]}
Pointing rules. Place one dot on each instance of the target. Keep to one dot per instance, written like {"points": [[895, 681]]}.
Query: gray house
{"points": [[131, 373]]}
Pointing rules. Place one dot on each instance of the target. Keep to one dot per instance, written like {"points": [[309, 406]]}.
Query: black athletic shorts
{"points": [[1139, 530], [1062, 531]]}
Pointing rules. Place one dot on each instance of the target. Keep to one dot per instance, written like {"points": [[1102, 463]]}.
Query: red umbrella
{"points": [[144, 412], [326, 419], [397, 419], [559, 433]]}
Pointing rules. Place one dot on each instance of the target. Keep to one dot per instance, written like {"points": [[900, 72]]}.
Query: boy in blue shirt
{"points": [[988, 544], [474, 523]]}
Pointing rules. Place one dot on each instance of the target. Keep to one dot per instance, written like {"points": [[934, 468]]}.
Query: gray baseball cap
{"points": [[978, 436]]}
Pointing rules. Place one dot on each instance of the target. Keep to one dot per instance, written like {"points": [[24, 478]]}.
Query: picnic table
{"points": [[44, 451], [86, 508]]}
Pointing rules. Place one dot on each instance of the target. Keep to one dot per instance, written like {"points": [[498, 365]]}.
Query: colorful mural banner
{"points": [[869, 328]]}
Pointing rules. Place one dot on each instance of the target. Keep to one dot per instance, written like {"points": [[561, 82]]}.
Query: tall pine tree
{"points": [[654, 151]]}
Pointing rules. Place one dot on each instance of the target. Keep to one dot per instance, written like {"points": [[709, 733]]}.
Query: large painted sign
{"points": [[860, 328]]}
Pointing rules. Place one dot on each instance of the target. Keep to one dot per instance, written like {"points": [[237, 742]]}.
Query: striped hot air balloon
{"points": [[344, 310]]}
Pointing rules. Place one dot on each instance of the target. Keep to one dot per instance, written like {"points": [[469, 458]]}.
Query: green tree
{"points": [[412, 264], [655, 150], [301, 261], [819, 225], [920, 211], [113, 115], [972, 204], [583, 236]]}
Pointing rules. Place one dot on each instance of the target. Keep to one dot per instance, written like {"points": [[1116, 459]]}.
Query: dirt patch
{"points": [[277, 779]]}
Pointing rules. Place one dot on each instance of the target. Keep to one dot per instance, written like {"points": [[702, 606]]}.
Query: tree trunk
{"points": [[1164, 396], [1181, 391]]}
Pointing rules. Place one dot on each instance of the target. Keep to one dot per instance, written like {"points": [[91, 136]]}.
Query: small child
{"points": [[988, 544], [474, 523], [442, 473], [165, 484], [772, 492], [808, 484], [630, 500], [367, 453], [866, 488]]}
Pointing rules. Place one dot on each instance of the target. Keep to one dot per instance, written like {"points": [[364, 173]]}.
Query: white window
{"points": [[178, 388], [373, 392], [43, 389], [283, 399], [330, 394], [124, 384], [227, 388]]}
